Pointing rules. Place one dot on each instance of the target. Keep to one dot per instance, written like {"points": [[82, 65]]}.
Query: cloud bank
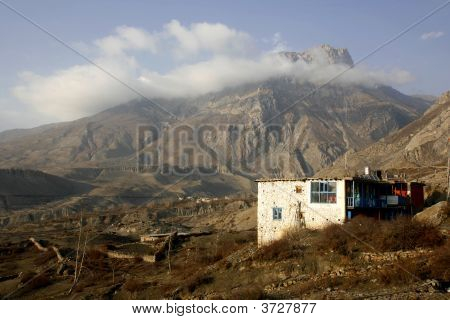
{"points": [[206, 57]]}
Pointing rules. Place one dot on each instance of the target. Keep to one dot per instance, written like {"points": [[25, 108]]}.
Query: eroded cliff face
{"points": [[307, 133], [422, 143]]}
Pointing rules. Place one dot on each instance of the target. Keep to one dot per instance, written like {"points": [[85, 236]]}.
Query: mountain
{"points": [[88, 141], [325, 52], [422, 144], [306, 128], [20, 188], [315, 131], [427, 97]]}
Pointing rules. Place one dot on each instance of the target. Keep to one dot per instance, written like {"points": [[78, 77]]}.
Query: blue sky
{"points": [[26, 53]]}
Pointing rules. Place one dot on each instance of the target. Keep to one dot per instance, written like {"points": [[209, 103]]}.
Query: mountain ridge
{"points": [[316, 126]]}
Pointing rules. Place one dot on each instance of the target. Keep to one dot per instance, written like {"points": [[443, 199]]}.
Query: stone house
{"points": [[313, 203]]}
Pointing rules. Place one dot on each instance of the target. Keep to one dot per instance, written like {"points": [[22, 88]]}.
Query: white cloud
{"points": [[83, 90], [278, 43], [214, 74], [16, 115], [77, 91], [431, 35], [214, 38], [127, 38]]}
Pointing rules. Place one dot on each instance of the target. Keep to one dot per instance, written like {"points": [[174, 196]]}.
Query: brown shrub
{"points": [[333, 237], [95, 260], [134, 285], [439, 263], [32, 280], [81, 286], [105, 247], [225, 246], [94, 255], [218, 249], [406, 234], [198, 280], [27, 276], [248, 293], [210, 258], [246, 237], [361, 234], [309, 263], [44, 257], [280, 250], [312, 285], [40, 281], [404, 271]]}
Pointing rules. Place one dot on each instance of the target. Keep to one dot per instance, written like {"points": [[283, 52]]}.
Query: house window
{"points": [[323, 192], [276, 213]]}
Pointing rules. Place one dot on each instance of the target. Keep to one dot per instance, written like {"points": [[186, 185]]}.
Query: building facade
{"points": [[285, 204]]}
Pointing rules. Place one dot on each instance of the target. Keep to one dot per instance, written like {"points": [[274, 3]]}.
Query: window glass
{"points": [[276, 212], [315, 197], [332, 187], [332, 198], [315, 186], [323, 192]]}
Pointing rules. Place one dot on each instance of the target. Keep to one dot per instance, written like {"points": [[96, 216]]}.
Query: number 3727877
{"points": [[288, 307]]}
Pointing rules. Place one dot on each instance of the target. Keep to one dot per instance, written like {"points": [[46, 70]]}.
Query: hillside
{"points": [[422, 144], [21, 188]]}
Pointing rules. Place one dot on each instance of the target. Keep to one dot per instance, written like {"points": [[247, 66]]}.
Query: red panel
{"points": [[401, 189], [417, 196]]}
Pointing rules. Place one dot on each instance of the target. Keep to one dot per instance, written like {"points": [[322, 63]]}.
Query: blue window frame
{"points": [[276, 213]]}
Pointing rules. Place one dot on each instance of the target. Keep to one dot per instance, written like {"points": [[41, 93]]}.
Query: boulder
{"points": [[434, 215]]}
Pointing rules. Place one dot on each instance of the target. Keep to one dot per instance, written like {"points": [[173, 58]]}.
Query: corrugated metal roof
{"points": [[298, 179], [363, 179]]}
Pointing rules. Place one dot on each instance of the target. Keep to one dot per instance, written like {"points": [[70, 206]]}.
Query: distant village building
{"points": [[284, 204]]}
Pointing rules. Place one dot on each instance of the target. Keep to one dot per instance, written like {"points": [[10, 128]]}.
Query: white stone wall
{"points": [[283, 194]]}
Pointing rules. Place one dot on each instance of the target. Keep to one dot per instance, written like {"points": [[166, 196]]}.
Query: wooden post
{"points": [[78, 249], [168, 253]]}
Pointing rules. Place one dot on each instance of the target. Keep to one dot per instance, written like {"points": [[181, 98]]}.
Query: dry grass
{"points": [[34, 281], [363, 234], [214, 248], [406, 234], [45, 257], [292, 245], [134, 285], [439, 263], [96, 261], [248, 293], [280, 250], [403, 272], [436, 266], [198, 280]]}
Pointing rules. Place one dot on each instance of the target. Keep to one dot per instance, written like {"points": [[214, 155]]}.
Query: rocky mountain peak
{"points": [[323, 54]]}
